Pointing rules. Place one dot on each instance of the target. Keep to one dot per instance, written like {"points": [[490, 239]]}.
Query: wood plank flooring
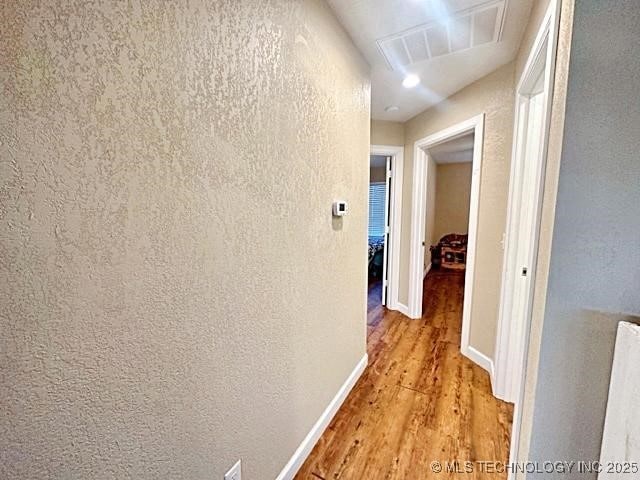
{"points": [[375, 310], [418, 401]]}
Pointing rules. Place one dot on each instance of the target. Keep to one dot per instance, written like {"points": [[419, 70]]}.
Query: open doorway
{"points": [[378, 235], [448, 200], [447, 205], [462, 141], [385, 194]]}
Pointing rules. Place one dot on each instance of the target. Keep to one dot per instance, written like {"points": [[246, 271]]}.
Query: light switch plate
{"points": [[235, 472]]}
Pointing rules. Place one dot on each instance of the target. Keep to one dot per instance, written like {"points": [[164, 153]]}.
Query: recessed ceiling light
{"points": [[392, 108], [410, 81]]}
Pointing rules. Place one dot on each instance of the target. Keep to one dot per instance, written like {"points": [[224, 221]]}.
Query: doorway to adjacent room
{"points": [[385, 201]]}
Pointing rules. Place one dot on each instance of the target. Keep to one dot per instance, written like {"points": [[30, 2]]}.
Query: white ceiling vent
{"points": [[461, 31]]}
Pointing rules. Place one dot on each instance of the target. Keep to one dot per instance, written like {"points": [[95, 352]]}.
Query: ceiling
{"points": [[457, 150], [449, 44]]}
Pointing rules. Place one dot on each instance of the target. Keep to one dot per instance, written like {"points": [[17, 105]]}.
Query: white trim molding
{"points": [[418, 212], [403, 309], [483, 361], [304, 449], [513, 330], [395, 201], [427, 269], [512, 337]]}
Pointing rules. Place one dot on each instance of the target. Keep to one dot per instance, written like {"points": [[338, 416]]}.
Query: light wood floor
{"points": [[418, 401]]}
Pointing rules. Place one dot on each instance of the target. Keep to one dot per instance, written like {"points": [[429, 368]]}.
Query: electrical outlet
{"points": [[235, 472]]}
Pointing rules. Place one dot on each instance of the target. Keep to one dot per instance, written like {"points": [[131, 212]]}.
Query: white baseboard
{"points": [[427, 269], [481, 360], [304, 449], [403, 309], [492, 378]]}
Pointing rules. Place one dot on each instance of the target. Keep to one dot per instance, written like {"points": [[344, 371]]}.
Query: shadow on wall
{"points": [[590, 359], [337, 223]]}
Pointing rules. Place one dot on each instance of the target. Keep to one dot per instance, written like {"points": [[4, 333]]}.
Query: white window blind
{"points": [[376, 209]]}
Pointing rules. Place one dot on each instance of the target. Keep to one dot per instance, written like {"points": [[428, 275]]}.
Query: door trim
{"points": [[512, 336], [393, 249], [418, 212], [388, 177]]}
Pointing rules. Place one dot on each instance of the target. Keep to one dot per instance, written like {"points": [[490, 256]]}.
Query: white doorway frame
{"points": [[418, 212], [395, 209], [512, 335]]}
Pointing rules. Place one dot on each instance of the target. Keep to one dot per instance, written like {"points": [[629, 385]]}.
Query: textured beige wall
{"points": [[387, 133], [151, 327], [453, 192], [492, 95]]}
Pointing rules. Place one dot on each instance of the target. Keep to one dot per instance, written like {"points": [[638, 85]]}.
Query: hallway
{"points": [[418, 401]]}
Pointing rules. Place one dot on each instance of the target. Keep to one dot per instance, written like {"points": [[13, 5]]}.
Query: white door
{"points": [[387, 196], [525, 252], [525, 213]]}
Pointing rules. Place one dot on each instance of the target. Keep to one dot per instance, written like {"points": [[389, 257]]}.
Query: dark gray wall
{"points": [[594, 280]]}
